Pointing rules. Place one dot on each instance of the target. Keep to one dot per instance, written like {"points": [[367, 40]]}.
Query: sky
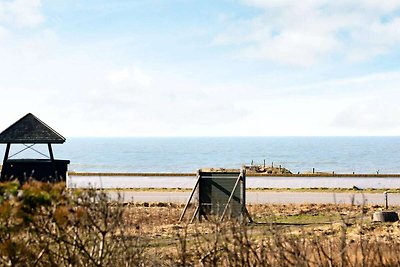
{"points": [[202, 68]]}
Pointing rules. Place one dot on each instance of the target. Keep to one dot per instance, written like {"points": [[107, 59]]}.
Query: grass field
{"points": [[47, 225]]}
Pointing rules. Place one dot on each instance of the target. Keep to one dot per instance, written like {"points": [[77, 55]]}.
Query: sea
{"points": [[187, 154]]}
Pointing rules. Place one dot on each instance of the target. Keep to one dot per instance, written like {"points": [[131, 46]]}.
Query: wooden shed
{"points": [[219, 193], [29, 131]]}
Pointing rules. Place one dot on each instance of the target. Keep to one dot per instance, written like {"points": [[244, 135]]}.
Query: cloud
{"points": [[96, 87], [375, 39], [133, 76], [305, 33], [3, 33], [292, 48], [373, 107], [22, 13], [374, 116]]}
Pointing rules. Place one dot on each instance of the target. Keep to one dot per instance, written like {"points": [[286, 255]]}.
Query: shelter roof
{"points": [[219, 170], [30, 130]]}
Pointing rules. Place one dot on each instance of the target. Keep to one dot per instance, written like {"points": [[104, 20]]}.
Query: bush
{"points": [[46, 225]]}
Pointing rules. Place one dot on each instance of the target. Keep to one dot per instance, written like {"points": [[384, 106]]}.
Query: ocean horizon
{"points": [[187, 154]]}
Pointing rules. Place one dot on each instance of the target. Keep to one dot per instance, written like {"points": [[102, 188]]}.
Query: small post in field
{"points": [[385, 195]]}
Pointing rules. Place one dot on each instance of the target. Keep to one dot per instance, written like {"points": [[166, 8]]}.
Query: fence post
{"points": [[385, 194]]}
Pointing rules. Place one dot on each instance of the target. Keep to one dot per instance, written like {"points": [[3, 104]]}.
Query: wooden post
{"points": [[385, 194], [231, 196], [53, 163], [194, 214], [5, 160], [190, 198], [243, 188], [6, 154], [50, 152]]}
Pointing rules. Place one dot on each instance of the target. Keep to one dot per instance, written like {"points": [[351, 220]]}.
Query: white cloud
{"points": [[79, 91], [293, 48], [304, 33], [130, 75], [371, 116], [373, 107], [377, 38], [23, 13], [3, 33]]}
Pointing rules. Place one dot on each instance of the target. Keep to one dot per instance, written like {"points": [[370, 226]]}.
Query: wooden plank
{"points": [[231, 196], [190, 198]]}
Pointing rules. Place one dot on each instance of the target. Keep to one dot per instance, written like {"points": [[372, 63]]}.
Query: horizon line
{"points": [[227, 136]]}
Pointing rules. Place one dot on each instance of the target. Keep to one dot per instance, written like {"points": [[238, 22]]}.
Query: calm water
{"points": [[298, 154]]}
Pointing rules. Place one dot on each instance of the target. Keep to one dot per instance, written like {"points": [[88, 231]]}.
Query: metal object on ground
{"points": [[385, 216], [29, 131], [220, 193]]}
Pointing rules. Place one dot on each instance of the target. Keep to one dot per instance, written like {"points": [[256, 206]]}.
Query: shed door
{"points": [[215, 192]]}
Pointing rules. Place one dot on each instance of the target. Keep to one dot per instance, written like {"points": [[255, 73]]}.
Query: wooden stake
{"points": [[231, 196], [190, 198]]}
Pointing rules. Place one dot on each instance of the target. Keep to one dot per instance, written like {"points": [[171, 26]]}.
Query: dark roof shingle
{"points": [[29, 129]]}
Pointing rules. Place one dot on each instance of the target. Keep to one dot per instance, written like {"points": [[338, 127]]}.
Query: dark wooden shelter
{"points": [[30, 131], [219, 193]]}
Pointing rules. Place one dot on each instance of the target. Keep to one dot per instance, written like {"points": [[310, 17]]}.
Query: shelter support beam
{"points": [[53, 164], [50, 152], [248, 215], [190, 198], [231, 196], [7, 153], [194, 214]]}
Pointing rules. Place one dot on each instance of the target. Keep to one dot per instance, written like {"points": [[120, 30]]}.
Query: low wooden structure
{"points": [[219, 193], [29, 131]]}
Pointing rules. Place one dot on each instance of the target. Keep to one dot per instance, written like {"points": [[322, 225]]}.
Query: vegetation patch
{"points": [[49, 225]]}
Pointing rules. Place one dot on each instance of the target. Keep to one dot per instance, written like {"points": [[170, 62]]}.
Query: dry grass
{"points": [[285, 235], [45, 225]]}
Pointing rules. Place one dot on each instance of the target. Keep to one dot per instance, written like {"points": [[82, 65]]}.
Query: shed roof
{"points": [[30, 129], [219, 170]]}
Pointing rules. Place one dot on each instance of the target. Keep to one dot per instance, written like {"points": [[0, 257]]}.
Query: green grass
{"points": [[305, 218]]}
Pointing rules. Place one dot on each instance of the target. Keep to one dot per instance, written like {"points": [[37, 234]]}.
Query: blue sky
{"points": [[202, 68]]}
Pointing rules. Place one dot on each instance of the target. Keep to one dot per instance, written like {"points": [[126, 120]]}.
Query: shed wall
{"points": [[215, 190]]}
